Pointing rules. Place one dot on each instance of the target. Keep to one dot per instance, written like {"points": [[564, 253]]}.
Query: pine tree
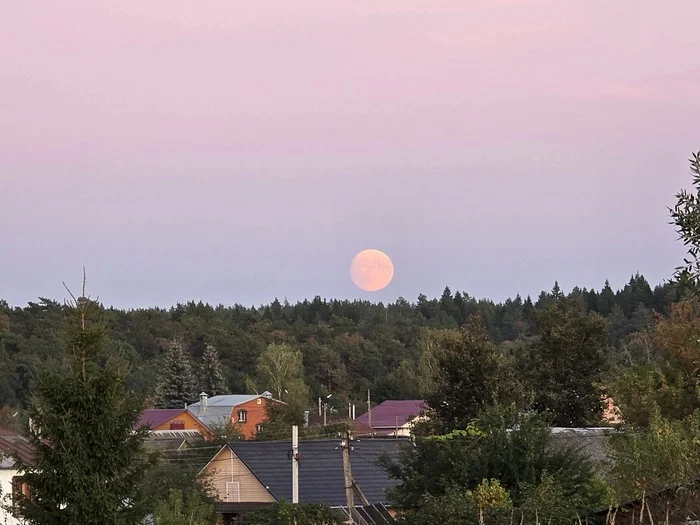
{"points": [[212, 380], [88, 462], [606, 299], [175, 388]]}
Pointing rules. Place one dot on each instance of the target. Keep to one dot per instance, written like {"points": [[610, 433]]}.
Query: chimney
{"points": [[203, 403]]}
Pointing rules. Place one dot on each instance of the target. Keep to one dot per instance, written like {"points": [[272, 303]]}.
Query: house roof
{"points": [[321, 477], [387, 413], [157, 416], [218, 409], [168, 444], [216, 415], [14, 445], [229, 400], [590, 442]]}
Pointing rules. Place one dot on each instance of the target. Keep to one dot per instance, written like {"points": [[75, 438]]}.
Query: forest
{"points": [[346, 347]]}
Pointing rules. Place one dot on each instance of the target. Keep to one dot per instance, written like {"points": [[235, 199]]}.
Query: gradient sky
{"points": [[235, 151]]}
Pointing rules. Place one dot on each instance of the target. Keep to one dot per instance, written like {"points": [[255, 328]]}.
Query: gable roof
{"points": [[385, 414], [157, 416], [14, 445], [321, 478]]}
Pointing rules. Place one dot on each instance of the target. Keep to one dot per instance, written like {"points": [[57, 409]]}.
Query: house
{"points": [[247, 412], [173, 422], [246, 475], [393, 417], [12, 445]]}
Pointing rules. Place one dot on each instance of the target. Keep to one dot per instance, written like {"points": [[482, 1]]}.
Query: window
{"points": [[258, 428], [233, 492], [18, 487], [177, 425], [242, 416]]}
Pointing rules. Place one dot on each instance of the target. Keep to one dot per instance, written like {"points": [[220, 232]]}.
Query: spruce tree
{"points": [[88, 462], [176, 386], [212, 380]]}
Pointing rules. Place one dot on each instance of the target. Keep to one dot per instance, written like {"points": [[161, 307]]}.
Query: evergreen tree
{"points": [[212, 380], [175, 387], [606, 299], [88, 462]]}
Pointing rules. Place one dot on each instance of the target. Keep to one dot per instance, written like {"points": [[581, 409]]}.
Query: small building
{"points": [[246, 412], [246, 475], [393, 417], [12, 446], [165, 422]]}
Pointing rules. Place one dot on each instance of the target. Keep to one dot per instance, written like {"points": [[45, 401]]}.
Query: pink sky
{"points": [[238, 151]]}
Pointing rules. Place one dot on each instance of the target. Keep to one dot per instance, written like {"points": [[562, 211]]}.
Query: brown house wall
{"points": [[257, 415], [191, 423]]}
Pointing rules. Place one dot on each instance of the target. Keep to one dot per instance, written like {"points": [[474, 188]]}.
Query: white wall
{"points": [[6, 475]]}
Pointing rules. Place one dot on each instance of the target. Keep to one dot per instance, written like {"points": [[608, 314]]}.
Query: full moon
{"points": [[371, 270]]}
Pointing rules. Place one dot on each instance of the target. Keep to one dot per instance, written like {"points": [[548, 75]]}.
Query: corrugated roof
{"points": [[227, 401], [321, 477], [14, 445], [157, 416], [387, 413]]}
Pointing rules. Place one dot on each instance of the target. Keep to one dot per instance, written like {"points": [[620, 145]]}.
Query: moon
{"points": [[371, 270]]}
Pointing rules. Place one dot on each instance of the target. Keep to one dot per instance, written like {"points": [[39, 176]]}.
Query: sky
{"points": [[236, 151]]}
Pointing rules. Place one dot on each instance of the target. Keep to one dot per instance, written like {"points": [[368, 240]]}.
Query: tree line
{"points": [[346, 347]]}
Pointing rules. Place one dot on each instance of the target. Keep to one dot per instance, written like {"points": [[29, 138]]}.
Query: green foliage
{"points": [[177, 510], [211, 375], [280, 370], [347, 346], [284, 513], [662, 456], [223, 433], [176, 384], [468, 375], [566, 364], [89, 464], [666, 377], [685, 215], [501, 445]]}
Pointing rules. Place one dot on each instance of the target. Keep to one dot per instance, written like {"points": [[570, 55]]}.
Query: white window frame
{"points": [[243, 413], [230, 487]]}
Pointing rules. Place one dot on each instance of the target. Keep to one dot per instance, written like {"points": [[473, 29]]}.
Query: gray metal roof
{"points": [[216, 415], [226, 401], [590, 442], [320, 468]]}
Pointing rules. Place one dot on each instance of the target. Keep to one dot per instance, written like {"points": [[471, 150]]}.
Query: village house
{"points": [[171, 422], [246, 475], [393, 417], [247, 412], [12, 445]]}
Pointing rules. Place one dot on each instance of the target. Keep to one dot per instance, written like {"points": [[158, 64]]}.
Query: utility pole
{"points": [[295, 464], [369, 411], [347, 473]]}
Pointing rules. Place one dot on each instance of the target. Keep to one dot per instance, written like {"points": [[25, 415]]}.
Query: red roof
{"points": [[392, 412], [157, 416]]}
